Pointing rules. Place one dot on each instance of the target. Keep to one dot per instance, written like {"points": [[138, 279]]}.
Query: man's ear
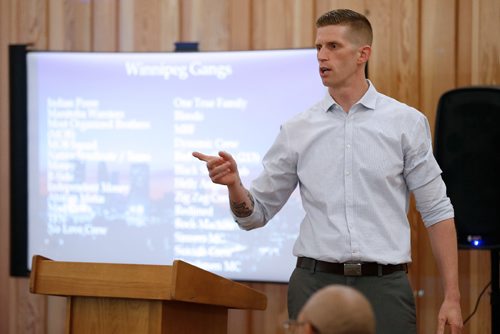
{"points": [[364, 54]]}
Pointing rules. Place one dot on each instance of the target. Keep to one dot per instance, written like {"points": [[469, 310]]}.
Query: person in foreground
{"points": [[356, 156], [334, 309]]}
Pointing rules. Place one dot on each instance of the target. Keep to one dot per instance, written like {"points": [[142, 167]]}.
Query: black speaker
{"points": [[467, 147]]}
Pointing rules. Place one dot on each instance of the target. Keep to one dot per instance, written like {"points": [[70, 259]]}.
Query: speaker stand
{"points": [[495, 291]]}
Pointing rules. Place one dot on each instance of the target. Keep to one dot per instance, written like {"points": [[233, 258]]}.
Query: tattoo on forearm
{"points": [[241, 209]]}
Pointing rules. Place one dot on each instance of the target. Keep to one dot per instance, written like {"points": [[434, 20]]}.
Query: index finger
{"points": [[202, 157]]}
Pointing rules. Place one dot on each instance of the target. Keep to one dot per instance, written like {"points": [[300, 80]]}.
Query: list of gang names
{"points": [[87, 196], [202, 221]]}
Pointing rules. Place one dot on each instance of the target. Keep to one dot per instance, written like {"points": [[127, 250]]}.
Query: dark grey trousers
{"points": [[390, 295]]}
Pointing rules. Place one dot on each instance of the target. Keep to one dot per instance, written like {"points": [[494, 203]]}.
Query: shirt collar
{"points": [[368, 100]]}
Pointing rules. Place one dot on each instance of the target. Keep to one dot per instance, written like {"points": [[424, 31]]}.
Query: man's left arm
{"points": [[423, 177], [443, 240]]}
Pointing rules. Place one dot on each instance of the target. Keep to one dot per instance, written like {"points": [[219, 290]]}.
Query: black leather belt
{"points": [[350, 268]]}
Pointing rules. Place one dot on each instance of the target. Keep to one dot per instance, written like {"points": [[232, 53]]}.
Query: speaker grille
{"points": [[467, 147]]}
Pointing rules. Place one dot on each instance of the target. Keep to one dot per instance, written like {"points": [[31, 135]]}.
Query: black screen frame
{"points": [[18, 160]]}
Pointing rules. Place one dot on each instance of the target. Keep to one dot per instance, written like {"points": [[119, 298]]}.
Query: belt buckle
{"points": [[352, 269]]}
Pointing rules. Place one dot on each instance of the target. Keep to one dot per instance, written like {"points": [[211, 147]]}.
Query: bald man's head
{"points": [[338, 309]]}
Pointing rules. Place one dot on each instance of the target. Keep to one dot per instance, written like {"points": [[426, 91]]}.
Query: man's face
{"points": [[338, 56]]}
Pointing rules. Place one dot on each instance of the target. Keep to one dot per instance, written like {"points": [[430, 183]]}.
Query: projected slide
{"points": [[111, 176]]}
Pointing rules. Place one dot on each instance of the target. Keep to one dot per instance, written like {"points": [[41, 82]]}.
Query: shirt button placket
{"points": [[348, 154]]}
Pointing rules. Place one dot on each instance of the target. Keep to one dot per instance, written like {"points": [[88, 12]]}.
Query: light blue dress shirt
{"points": [[355, 171]]}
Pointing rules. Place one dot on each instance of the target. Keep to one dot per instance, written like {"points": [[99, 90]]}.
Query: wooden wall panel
{"points": [[437, 75], [240, 15], [155, 25], [276, 313], [438, 49], [464, 51], [486, 66], [148, 26], [421, 49], [303, 24], [268, 321], [30, 310], [274, 22], [394, 65], [217, 25], [169, 24], [55, 17], [126, 25], [360, 6], [70, 27], [206, 22], [472, 282], [28, 26], [105, 25]]}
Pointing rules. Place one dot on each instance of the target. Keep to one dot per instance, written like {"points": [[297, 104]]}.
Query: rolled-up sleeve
{"points": [[423, 175], [433, 203]]}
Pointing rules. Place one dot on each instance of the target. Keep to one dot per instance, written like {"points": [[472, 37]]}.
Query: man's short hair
{"points": [[360, 27], [339, 309]]}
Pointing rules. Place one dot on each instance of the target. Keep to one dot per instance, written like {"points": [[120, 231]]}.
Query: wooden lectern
{"points": [[129, 298]]}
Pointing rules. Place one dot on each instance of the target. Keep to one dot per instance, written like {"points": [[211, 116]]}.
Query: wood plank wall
{"points": [[422, 48]]}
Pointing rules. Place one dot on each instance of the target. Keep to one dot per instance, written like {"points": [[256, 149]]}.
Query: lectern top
{"points": [[180, 281]]}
